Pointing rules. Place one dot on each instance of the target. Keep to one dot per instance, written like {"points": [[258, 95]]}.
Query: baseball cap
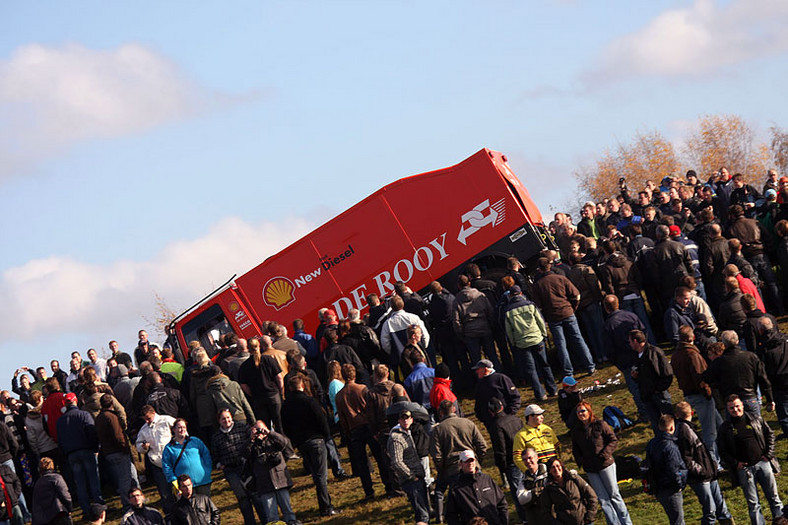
{"points": [[771, 193], [465, 455], [71, 397], [533, 410], [569, 381], [515, 290], [484, 363], [783, 179], [675, 231]]}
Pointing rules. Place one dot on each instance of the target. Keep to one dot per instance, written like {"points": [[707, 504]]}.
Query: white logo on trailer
{"points": [[478, 220]]}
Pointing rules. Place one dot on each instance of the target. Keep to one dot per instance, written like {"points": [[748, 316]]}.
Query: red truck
{"points": [[418, 229]]}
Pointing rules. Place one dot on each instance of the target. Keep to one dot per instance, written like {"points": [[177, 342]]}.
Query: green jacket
{"points": [[524, 323]]}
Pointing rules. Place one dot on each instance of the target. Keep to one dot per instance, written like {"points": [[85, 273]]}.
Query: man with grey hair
{"points": [[775, 360], [741, 373], [673, 262]]}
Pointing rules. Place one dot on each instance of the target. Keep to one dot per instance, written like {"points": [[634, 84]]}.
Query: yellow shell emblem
{"points": [[278, 292]]}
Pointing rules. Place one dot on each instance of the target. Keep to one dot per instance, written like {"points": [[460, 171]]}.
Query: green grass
{"points": [[346, 495]]}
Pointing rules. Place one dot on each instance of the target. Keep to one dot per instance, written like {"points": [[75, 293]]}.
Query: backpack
{"points": [[616, 418]]}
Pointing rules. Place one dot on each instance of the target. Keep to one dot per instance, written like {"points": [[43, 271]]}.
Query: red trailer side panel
{"points": [[414, 230]]}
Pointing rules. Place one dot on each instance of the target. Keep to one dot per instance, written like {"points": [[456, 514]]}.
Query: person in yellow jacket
{"points": [[535, 434]]}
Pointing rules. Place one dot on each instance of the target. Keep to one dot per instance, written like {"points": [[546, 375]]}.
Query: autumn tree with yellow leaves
{"points": [[725, 141], [716, 141], [646, 157]]}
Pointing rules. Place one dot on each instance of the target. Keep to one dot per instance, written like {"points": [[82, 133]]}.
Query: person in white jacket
{"points": [[151, 440], [394, 332]]}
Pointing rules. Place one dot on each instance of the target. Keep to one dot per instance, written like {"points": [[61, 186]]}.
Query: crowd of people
{"points": [[697, 266]]}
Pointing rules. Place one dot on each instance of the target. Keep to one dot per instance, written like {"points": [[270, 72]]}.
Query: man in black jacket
{"points": [[228, 450], [673, 262], [701, 468], [775, 362], [306, 425], [449, 346], [746, 445], [615, 335], [741, 373], [475, 494], [493, 384], [654, 376], [193, 508], [139, 513], [503, 428]]}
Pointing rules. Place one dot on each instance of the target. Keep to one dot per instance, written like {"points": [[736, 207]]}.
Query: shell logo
{"points": [[278, 292], [234, 307]]}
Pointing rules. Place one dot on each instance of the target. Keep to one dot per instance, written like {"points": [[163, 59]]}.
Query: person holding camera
{"points": [[271, 476]]}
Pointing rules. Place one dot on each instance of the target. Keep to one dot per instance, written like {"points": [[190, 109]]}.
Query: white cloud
{"points": [[45, 297], [53, 97], [697, 40]]}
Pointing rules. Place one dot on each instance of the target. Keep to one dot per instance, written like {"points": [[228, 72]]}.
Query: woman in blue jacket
{"points": [[186, 454]]}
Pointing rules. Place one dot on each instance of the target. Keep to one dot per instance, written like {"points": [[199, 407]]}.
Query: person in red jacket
{"points": [[53, 405], [441, 388]]}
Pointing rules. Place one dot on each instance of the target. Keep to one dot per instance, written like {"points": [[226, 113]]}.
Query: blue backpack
{"points": [[615, 417]]}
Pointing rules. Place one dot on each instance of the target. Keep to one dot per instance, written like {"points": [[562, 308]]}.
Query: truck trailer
{"points": [[416, 230]]}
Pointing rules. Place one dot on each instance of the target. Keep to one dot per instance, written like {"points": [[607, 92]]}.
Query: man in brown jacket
{"points": [[115, 449], [589, 311], [688, 366], [450, 437], [558, 298], [354, 419]]}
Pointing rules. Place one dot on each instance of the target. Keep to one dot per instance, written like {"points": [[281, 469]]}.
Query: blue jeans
{"points": [[86, 477], [752, 405], [417, 496], [314, 453], [700, 288], [269, 501], [710, 420], [592, 321], [673, 503], [334, 461], [515, 476], [233, 477], [638, 307], [532, 364], [162, 485], [762, 474], [124, 474], [605, 485], [634, 389], [475, 344], [711, 501], [781, 408], [567, 331]]}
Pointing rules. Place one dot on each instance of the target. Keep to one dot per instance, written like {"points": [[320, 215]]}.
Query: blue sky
{"points": [[161, 147]]}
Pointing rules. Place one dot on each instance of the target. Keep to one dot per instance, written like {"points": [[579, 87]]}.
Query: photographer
{"points": [[271, 476]]}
